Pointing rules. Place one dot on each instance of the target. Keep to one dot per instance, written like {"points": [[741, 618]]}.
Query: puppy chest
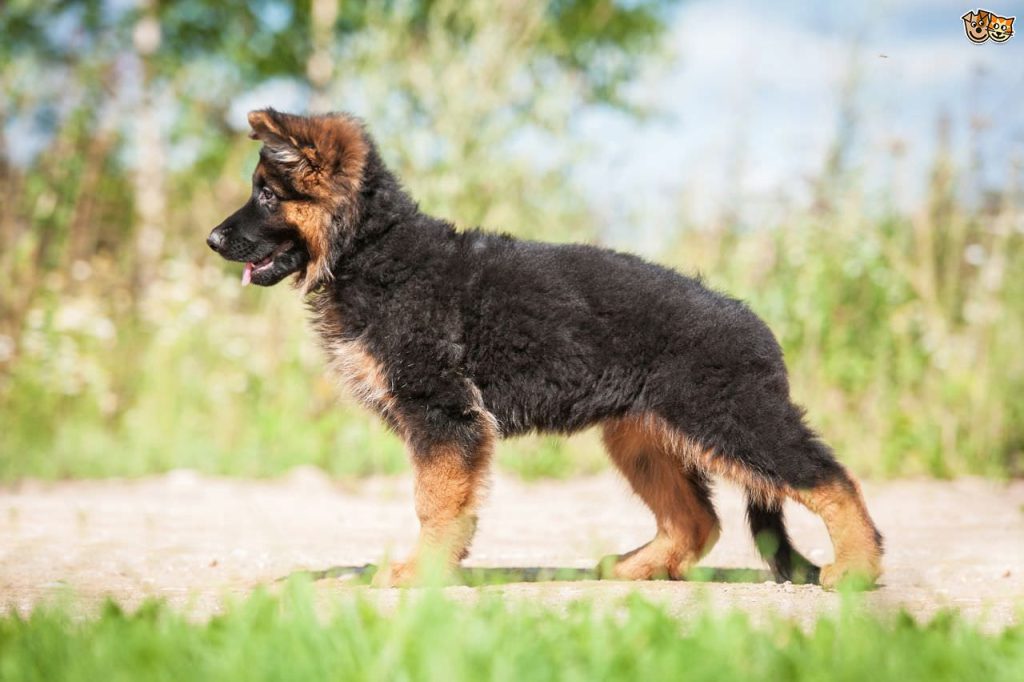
{"points": [[360, 373]]}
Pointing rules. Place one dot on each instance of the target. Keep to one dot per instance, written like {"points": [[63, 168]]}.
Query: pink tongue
{"points": [[247, 274]]}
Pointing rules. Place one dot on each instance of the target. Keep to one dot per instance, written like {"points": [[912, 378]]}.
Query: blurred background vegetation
{"points": [[126, 347]]}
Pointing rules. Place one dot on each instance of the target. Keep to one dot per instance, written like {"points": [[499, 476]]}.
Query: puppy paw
{"points": [[849, 576], [396, 574]]}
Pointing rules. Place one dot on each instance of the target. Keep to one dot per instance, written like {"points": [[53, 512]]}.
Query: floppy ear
{"points": [[282, 142]]}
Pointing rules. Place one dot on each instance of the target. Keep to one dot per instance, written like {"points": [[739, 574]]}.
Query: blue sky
{"points": [[749, 97]]}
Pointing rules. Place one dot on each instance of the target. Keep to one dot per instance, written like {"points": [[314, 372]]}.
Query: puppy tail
{"points": [[769, 530]]}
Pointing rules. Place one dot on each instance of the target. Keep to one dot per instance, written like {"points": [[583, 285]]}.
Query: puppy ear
{"points": [[281, 141], [268, 126]]}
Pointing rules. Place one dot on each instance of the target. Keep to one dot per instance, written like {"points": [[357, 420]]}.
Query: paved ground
{"points": [[194, 540]]}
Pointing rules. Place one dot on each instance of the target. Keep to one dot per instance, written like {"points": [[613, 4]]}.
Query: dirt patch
{"points": [[195, 540]]}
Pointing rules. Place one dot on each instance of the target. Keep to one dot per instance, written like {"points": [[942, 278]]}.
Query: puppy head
{"points": [[303, 205]]}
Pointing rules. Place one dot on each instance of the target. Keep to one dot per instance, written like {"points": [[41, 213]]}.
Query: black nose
{"points": [[216, 240]]}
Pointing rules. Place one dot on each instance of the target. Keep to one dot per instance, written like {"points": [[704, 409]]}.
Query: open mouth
{"points": [[252, 268]]}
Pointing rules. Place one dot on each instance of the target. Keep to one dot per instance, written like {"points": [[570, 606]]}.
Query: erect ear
{"points": [[281, 137]]}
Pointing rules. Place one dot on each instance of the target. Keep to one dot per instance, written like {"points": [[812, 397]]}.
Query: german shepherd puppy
{"points": [[457, 339]]}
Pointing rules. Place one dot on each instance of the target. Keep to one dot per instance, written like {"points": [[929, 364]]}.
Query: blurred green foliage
{"points": [[269, 37], [292, 637], [127, 348], [907, 356]]}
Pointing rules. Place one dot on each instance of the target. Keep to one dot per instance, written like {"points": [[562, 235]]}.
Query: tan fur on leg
{"points": [[841, 506], [447, 491], [687, 525]]}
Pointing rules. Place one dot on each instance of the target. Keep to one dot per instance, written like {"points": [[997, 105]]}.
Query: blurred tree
{"points": [[599, 41], [118, 151], [96, 90]]}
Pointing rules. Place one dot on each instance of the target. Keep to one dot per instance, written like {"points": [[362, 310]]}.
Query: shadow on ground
{"points": [[483, 576]]}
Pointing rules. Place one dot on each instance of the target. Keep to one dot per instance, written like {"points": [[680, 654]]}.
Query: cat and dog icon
{"points": [[981, 25]]}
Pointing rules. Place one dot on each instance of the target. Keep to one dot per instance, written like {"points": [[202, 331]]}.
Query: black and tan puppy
{"points": [[457, 339]]}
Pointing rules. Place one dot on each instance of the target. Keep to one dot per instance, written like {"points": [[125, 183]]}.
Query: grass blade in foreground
{"points": [[427, 637]]}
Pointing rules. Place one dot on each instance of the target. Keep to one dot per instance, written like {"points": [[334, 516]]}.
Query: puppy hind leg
{"points": [[687, 527]]}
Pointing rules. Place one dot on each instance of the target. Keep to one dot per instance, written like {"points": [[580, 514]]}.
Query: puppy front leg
{"points": [[449, 479]]}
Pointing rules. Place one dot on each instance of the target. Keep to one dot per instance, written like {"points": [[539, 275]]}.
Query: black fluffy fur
{"points": [[560, 337], [556, 338]]}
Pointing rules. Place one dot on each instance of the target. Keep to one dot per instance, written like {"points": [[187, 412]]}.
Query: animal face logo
{"points": [[1000, 29], [976, 25], [981, 25]]}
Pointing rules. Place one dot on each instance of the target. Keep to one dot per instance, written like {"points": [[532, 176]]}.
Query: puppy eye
{"points": [[266, 195]]}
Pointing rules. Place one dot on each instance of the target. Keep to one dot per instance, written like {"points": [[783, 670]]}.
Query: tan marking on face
{"points": [[260, 175], [312, 220]]}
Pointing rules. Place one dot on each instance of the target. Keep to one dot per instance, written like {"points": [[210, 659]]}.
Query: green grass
{"points": [[426, 637]]}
